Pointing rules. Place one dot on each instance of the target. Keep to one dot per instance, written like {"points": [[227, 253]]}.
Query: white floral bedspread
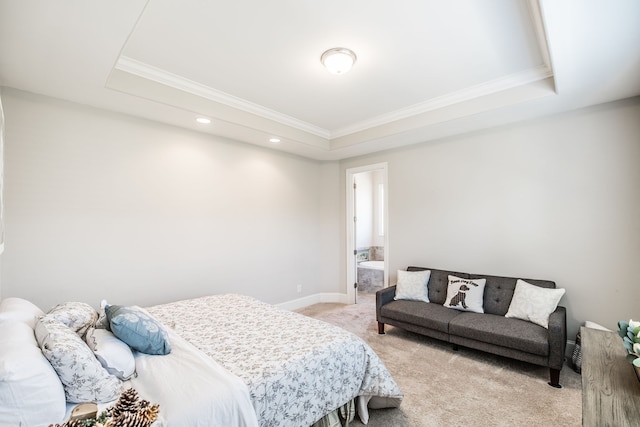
{"points": [[297, 368]]}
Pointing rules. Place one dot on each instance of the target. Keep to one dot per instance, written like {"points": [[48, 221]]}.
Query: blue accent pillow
{"points": [[138, 330]]}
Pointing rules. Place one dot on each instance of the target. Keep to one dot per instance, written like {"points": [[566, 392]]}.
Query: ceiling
{"points": [[426, 69]]}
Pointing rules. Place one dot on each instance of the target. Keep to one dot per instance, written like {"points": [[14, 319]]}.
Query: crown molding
{"points": [[146, 71], [541, 36], [158, 75], [541, 72], [487, 88]]}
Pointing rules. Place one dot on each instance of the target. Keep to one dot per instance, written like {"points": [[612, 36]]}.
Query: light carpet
{"points": [[443, 387]]}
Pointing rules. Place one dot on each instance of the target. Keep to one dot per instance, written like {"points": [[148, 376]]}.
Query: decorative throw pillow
{"points": [[78, 316], [534, 303], [465, 294], [138, 329], [19, 309], [114, 355], [412, 285], [30, 392], [83, 377]]}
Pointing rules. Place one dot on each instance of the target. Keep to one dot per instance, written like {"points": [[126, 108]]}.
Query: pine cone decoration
{"points": [[127, 412], [70, 423], [150, 413], [127, 403], [129, 419]]}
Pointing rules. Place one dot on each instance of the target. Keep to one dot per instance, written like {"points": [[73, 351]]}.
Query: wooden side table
{"points": [[610, 389]]}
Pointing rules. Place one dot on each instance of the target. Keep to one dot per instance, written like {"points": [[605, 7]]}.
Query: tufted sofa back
{"points": [[497, 292]]}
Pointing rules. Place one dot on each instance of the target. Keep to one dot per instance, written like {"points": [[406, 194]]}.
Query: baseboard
{"points": [[313, 299]]}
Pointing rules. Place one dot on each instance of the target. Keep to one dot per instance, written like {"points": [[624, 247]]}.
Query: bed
{"points": [[236, 361]]}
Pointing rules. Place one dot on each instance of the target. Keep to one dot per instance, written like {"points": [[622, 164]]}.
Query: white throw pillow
{"points": [[19, 309], [30, 392], [465, 294], [114, 355], [534, 303], [83, 377], [412, 285]]}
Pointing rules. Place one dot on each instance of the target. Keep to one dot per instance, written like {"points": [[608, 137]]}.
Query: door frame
{"points": [[350, 214]]}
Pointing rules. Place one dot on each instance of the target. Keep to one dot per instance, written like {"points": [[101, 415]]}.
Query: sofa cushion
{"points": [[498, 292], [424, 314], [412, 285], [465, 294], [534, 303], [439, 282], [499, 330]]}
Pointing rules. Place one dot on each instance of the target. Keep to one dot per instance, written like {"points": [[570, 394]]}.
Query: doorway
{"points": [[367, 230]]}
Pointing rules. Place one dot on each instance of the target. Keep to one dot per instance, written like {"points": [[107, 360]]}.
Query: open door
{"points": [[354, 257], [352, 226]]}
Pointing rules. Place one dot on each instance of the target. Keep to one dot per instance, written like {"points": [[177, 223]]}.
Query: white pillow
{"points": [[534, 303], [83, 377], [412, 285], [114, 355], [465, 294], [30, 392], [19, 309]]}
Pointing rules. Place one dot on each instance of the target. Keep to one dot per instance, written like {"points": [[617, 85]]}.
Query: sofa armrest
{"points": [[384, 296], [557, 337]]}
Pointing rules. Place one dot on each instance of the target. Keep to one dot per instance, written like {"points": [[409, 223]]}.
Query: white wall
{"points": [[102, 205], [556, 198], [331, 240]]}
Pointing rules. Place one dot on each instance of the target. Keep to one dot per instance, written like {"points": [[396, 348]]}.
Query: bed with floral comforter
{"points": [[297, 369]]}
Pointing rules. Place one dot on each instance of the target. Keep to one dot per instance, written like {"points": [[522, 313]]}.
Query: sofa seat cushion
{"points": [[424, 314], [499, 330]]}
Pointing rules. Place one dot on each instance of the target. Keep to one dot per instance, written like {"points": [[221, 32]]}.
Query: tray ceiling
{"points": [[425, 69]]}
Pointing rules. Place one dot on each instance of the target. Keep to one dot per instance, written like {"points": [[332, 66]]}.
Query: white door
{"points": [[352, 229]]}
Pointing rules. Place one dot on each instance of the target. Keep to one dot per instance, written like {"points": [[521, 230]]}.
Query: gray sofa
{"points": [[489, 331]]}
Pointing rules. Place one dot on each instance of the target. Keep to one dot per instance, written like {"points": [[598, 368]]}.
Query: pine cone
{"points": [[70, 423], [128, 419], [127, 403], [150, 413]]}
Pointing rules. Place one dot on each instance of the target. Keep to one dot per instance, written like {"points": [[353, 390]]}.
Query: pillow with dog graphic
{"points": [[465, 294]]}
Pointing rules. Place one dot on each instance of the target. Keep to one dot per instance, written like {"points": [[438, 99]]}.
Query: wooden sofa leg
{"points": [[381, 328], [554, 374]]}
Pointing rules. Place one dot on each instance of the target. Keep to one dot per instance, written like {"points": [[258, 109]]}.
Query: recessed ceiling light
{"points": [[203, 120], [274, 140], [338, 60]]}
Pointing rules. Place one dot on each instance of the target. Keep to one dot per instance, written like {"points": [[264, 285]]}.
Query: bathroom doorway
{"points": [[367, 248]]}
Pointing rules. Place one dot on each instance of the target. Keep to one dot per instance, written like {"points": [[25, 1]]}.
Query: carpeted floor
{"points": [[443, 387]]}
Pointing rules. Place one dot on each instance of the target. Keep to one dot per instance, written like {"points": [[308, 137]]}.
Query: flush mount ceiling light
{"points": [[338, 60], [203, 120]]}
